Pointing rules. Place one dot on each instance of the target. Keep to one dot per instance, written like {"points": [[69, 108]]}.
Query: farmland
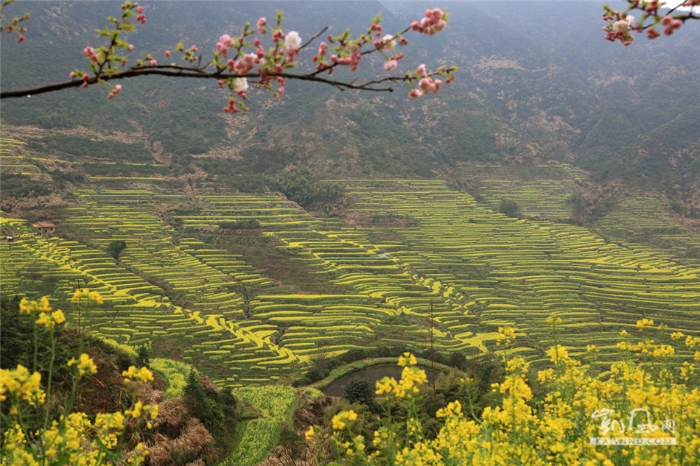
{"points": [[406, 249]]}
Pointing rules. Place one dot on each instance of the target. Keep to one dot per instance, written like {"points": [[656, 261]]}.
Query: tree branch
{"points": [[187, 72]]}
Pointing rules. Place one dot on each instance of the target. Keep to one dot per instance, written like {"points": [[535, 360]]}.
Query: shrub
{"points": [[509, 208]]}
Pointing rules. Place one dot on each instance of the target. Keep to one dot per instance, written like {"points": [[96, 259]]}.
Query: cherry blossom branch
{"points": [[12, 26], [621, 24], [183, 72], [269, 69]]}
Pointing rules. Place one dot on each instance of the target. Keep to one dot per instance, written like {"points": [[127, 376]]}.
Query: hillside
{"points": [[525, 94]]}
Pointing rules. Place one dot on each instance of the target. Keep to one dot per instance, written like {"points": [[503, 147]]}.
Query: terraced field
{"points": [[408, 249], [644, 218], [542, 192], [12, 162]]}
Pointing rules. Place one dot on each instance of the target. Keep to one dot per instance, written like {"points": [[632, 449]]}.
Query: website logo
{"points": [[640, 430]]}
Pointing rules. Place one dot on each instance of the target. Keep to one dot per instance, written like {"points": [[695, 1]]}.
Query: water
{"points": [[370, 374]]}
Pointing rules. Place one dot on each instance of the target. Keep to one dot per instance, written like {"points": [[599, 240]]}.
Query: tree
{"points": [[237, 59], [360, 391], [621, 24], [115, 248], [509, 207]]}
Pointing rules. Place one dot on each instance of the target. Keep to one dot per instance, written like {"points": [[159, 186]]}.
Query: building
{"points": [[45, 227]]}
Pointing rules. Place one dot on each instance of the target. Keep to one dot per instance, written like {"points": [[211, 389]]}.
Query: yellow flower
{"points": [[58, 317], [50, 320], [44, 304], [309, 434], [96, 297], [692, 342], [20, 383], [85, 364], [385, 385], [677, 335], [645, 323], [558, 354], [342, 417], [30, 307], [77, 295], [407, 360], [143, 374]]}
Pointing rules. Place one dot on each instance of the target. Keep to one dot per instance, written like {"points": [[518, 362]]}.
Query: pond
{"points": [[370, 374]]}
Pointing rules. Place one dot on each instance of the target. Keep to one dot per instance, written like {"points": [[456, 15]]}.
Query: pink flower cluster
{"points": [[90, 53], [393, 62], [353, 60], [620, 29], [433, 22], [231, 108], [225, 43], [117, 89], [670, 24], [426, 85], [262, 22], [244, 65], [386, 43], [141, 18]]}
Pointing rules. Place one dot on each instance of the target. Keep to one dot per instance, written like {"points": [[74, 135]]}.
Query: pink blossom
{"points": [[432, 23], [403, 41], [653, 33], [322, 48], [86, 77], [429, 86], [277, 36], [130, 47], [256, 42], [230, 64], [415, 93], [221, 83], [90, 53], [167, 53], [71, 75], [421, 71], [141, 18], [261, 25], [140, 9], [20, 39], [117, 89], [260, 52], [390, 65], [153, 62], [245, 64], [231, 106]]}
